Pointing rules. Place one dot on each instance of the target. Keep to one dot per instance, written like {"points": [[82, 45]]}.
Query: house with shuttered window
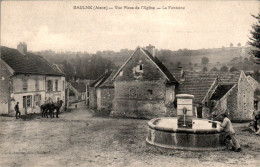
{"points": [[28, 79]]}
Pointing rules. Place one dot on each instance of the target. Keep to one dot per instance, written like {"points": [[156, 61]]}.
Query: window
{"points": [[37, 100], [63, 88], [132, 92], [24, 101], [150, 91], [56, 85], [49, 86], [88, 91], [27, 101], [141, 67], [36, 84], [25, 84]]}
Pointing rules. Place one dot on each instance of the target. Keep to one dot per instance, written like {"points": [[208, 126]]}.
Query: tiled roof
{"points": [[79, 86], [220, 91], [161, 66], [195, 84], [101, 79], [177, 73], [198, 84], [28, 63], [109, 82]]}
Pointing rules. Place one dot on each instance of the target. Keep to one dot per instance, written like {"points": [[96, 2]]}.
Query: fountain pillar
{"points": [[184, 110]]}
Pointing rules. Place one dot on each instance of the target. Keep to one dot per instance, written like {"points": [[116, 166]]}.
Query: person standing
{"points": [[16, 108], [226, 125], [255, 119]]}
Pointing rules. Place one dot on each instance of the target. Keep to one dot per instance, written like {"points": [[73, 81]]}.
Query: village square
{"points": [[125, 100]]}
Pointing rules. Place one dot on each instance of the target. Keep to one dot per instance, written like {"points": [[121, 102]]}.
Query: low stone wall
{"points": [[138, 108]]}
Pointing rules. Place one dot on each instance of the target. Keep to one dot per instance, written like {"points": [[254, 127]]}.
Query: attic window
{"points": [[150, 91], [139, 68]]}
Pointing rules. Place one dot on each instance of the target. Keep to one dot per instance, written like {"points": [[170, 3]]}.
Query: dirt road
{"points": [[79, 139]]}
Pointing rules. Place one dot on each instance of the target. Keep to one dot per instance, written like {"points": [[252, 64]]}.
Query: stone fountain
{"points": [[185, 132]]}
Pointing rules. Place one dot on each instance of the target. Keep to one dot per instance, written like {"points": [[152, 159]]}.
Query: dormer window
{"points": [[150, 92], [139, 68]]}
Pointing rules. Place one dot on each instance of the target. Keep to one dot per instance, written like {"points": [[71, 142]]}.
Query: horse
{"points": [[51, 107], [57, 106], [47, 107]]}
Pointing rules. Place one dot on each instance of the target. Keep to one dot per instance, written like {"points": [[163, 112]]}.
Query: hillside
{"points": [[90, 66], [190, 58]]}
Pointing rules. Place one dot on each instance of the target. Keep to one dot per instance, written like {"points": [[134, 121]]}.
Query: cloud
{"points": [[46, 39]]}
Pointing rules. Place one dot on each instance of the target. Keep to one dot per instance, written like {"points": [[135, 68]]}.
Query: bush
{"points": [[224, 69], [205, 69], [233, 69], [204, 60]]}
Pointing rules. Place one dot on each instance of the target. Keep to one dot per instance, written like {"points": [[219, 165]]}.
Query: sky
{"points": [[57, 26]]}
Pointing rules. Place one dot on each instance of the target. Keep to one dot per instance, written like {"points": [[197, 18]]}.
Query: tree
{"points": [[204, 60], [233, 69], [239, 44], [205, 69], [224, 69], [214, 69], [231, 45], [254, 40]]}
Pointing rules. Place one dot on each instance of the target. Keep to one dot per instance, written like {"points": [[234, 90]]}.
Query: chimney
{"points": [[22, 48], [151, 49], [182, 73]]}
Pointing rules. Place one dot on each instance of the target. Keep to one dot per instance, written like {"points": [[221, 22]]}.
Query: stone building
{"points": [[237, 98], [79, 90], [28, 79], [101, 92], [143, 86]]}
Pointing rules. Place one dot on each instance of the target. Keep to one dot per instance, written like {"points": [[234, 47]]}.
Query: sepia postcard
{"points": [[130, 83]]}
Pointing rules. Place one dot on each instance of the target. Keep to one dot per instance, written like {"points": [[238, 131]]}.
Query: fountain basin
{"points": [[164, 132]]}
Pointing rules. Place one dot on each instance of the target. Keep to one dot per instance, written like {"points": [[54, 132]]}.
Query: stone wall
{"points": [[134, 108], [141, 90], [104, 101], [139, 99], [245, 100], [4, 88], [232, 105], [131, 70], [228, 103], [92, 98]]}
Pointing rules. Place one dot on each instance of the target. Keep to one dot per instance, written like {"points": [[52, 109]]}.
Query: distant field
{"points": [[216, 57]]}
